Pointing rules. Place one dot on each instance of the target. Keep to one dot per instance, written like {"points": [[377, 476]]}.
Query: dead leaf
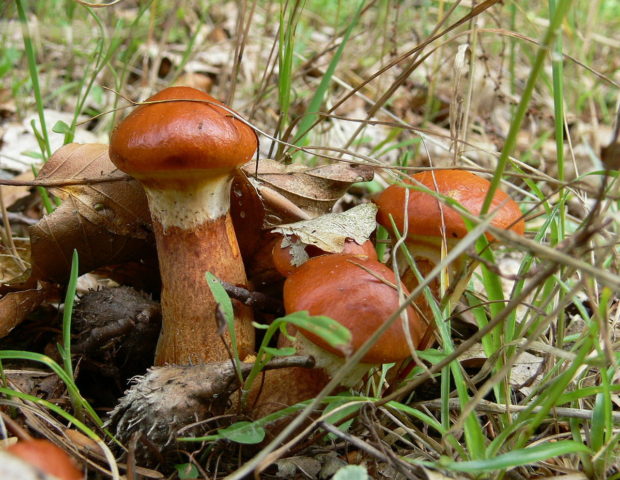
{"points": [[525, 372], [11, 195], [329, 232], [7, 103], [199, 81], [248, 214], [13, 270], [55, 237], [610, 156], [120, 207], [16, 306], [310, 191], [290, 467], [106, 223]]}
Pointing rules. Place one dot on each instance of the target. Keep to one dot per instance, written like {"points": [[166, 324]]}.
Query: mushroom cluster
{"points": [[184, 147]]}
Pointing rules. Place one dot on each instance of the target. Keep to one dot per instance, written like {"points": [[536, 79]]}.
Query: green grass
{"points": [[539, 115]]}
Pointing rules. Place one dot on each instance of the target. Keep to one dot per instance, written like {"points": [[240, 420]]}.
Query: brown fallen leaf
{"points": [[610, 154], [329, 232], [310, 191], [106, 223], [16, 306], [121, 207], [13, 270], [12, 194], [55, 237], [248, 214]]}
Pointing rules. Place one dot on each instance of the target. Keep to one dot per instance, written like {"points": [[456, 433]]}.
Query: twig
{"points": [[491, 407], [19, 218], [256, 300], [355, 441]]}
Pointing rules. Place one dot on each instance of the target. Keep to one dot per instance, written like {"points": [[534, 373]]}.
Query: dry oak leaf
{"points": [[16, 306], [106, 222], [121, 207], [297, 192], [329, 232]]}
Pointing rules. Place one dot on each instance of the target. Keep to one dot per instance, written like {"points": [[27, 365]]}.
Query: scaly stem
{"points": [[190, 330]]}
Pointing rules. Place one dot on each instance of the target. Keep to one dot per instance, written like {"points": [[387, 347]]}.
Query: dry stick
{"points": [[353, 440], [366, 447], [256, 300], [492, 407]]}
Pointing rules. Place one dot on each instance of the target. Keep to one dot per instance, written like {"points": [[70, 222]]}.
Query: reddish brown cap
{"points": [[336, 286], [424, 210], [46, 456], [187, 131], [283, 258]]}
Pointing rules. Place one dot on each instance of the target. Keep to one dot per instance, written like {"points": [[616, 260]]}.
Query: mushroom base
{"points": [[330, 362]]}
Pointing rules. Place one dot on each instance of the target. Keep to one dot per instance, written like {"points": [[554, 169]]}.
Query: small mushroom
{"points": [[359, 293], [42, 455], [184, 147], [430, 222], [286, 262]]}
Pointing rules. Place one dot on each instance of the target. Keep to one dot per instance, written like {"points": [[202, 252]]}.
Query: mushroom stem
{"points": [[194, 234], [189, 312]]}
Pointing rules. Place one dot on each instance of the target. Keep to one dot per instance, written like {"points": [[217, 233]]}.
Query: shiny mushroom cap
{"points": [[185, 131], [285, 262], [341, 287], [47, 457], [425, 211]]}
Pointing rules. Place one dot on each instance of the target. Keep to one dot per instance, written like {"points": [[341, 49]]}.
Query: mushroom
{"points": [[42, 455], [286, 262], [184, 147], [431, 222], [359, 293]]}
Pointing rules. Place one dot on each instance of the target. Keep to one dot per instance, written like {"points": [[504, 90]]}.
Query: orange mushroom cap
{"points": [[423, 209], [46, 456], [336, 286], [187, 132], [283, 258]]}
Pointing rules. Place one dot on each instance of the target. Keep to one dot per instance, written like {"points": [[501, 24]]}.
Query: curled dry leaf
{"points": [[296, 192], [107, 222], [16, 306], [329, 232], [247, 213]]}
